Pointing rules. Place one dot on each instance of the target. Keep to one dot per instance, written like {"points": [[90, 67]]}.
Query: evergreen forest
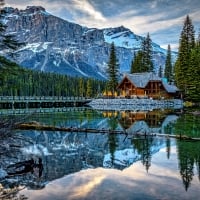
{"points": [[186, 70], [187, 66], [17, 81]]}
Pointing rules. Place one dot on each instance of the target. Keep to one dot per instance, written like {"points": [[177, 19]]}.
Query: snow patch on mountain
{"points": [[123, 157], [36, 47], [128, 156], [58, 46], [35, 150], [122, 38]]}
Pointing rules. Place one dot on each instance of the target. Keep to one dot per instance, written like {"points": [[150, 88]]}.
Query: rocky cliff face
{"points": [[56, 45]]}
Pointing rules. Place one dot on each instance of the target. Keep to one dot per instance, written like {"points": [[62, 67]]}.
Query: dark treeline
{"points": [[17, 81], [187, 66]]}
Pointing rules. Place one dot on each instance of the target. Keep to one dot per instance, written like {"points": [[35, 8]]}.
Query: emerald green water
{"points": [[108, 166]]}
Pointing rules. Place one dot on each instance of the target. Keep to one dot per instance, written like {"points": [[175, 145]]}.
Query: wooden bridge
{"points": [[22, 102]]}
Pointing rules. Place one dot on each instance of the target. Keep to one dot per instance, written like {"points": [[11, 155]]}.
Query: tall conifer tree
{"points": [[193, 92], [142, 61], [186, 44], [168, 65], [113, 68], [81, 87], [89, 88], [7, 41], [147, 63], [7, 44], [136, 65], [160, 73]]}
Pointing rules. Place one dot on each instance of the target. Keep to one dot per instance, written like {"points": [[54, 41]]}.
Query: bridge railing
{"points": [[37, 98]]}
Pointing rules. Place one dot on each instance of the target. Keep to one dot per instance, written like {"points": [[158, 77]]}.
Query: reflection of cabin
{"points": [[128, 118], [109, 114], [153, 118], [146, 84]]}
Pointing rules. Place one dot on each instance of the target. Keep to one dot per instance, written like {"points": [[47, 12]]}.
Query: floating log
{"points": [[38, 126]]}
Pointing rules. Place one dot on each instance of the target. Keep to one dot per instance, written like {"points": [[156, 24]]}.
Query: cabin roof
{"points": [[170, 88], [140, 80]]}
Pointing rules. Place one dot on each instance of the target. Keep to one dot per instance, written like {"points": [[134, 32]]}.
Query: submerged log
{"points": [[38, 126]]}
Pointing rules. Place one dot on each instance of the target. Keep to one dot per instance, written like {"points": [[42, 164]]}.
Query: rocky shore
{"points": [[135, 104]]}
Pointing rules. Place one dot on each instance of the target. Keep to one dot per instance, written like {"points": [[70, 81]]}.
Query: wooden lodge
{"points": [[146, 85]]}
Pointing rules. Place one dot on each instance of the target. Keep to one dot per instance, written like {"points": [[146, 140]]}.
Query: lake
{"points": [[141, 164]]}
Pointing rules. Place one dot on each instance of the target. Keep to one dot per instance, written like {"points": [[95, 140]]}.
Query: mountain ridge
{"points": [[59, 46]]}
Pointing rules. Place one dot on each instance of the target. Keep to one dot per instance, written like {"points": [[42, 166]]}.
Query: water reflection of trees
{"points": [[143, 147], [188, 152], [155, 121], [82, 156], [188, 125], [112, 138], [189, 157], [9, 149], [168, 147], [73, 117], [152, 119], [141, 122]]}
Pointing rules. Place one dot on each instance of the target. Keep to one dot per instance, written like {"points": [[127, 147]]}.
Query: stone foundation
{"points": [[135, 104]]}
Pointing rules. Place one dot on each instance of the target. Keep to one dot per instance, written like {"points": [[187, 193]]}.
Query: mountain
{"points": [[56, 45]]}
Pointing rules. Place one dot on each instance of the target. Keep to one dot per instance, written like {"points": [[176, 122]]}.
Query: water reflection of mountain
{"points": [[66, 153], [146, 122]]}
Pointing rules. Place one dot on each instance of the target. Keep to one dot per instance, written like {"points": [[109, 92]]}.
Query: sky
{"points": [[162, 19]]}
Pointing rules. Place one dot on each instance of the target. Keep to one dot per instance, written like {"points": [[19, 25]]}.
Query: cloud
{"points": [[22, 4], [85, 7], [163, 19], [77, 8]]}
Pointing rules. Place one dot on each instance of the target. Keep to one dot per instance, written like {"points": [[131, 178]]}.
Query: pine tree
{"points": [[7, 41], [89, 88], [160, 72], [198, 41], [113, 68], [147, 64], [7, 44], [81, 87], [133, 67], [136, 64], [8, 68], [142, 61], [168, 65], [193, 92], [186, 44]]}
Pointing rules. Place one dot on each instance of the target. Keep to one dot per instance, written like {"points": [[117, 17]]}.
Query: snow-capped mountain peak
{"points": [[122, 37], [56, 45]]}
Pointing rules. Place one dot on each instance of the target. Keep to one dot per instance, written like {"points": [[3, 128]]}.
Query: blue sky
{"points": [[163, 19]]}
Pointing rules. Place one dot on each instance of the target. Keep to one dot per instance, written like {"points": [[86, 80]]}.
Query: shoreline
{"points": [[135, 104]]}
